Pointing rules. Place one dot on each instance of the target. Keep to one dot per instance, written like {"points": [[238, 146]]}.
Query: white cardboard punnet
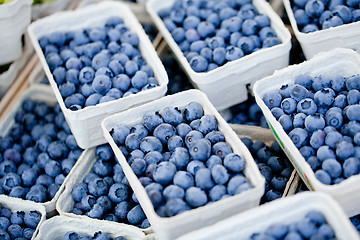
{"points": [[47, 8], [343, 62], [230, 81], [14, 18], [56, 227], [17, 204], [285, 211], [65, 204], [169, 228], [43, 94], [85, 123], [344, 36]]}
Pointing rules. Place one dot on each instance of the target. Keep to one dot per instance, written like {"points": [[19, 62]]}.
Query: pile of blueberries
{"points": [[19, 224], [248, 113], [97, 65], [106, 194], [178, 80], [273, 165], [314, 15], [212, 33], [71, 235], [38, 152], [321, 115], [312, 226], [181, 158]]}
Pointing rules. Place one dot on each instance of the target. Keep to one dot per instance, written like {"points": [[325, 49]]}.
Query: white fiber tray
{"points": [[344, 36], [169, 228], [14, 18], [344, 62], [48, 8], [43, 94], [65, 204], [17, 204], [56, 227], [85, 123], [286, 211], [230, 81]]}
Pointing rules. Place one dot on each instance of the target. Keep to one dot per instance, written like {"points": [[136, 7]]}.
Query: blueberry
{"points": [[194, 166], [164, 172], [183, 179], [323, 176], [175, 206], [219, 174], [234, 162], [136, 215], [219, 55], [175, 142], [221, 149], [344, 150], [195, 197], [272, 99], [96, 211], [32, 219], [234, 183], [199, 64], [277, 230], [200, 149], [102, 167], [118, 192], [351, 166]]}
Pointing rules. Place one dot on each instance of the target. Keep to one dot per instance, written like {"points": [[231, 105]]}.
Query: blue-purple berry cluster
{"points": [[248, 113], [97, 65], [212, 33], [312, 226], [322, 118], [314, 15], [38, 152], [178, 80], [19, 224], [71, 235], [106, 194], [181, 158], [273, 165]]}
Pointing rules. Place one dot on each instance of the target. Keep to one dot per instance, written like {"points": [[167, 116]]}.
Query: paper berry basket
{"points": [[65, 204], [172, 227], [46, 95], [56, 227], [344, 36], [347, 63], [17, 204], [230, 80], [85, 123], [14, 18], [285, 211]]}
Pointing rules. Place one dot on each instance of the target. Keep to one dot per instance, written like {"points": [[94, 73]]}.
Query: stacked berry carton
{"points": [[16, 204], [42, 94], [89, 135], [174, 226], [344, 36], [15, 17], [277, 219], [231, 79], [348, 64], [56, 227], [65, 205]]}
